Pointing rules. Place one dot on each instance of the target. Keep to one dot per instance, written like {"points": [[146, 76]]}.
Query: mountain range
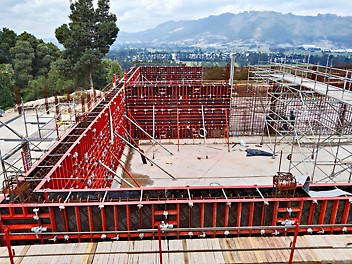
{"points": [[254, 27]]}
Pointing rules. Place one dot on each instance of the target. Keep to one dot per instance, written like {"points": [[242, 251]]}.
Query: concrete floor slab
{"points": [[190, 165]]}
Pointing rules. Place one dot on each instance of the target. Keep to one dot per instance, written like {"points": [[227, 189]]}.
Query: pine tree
{"points": [[7, 41], [22, 56], [7, 98], [87, 38]]}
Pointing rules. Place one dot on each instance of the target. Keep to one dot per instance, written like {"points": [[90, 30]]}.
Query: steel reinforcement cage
{"points": [[65, 196]]}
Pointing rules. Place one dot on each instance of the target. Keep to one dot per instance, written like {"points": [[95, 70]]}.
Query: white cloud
{"points": [[38, 17], [41, 17]]}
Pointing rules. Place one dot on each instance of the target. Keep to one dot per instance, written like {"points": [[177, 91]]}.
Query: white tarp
{"points": [[332, 193]]}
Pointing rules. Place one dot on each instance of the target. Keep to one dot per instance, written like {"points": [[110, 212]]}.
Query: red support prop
{"points": [[311, 213], [226, 213], [202, 205], [214, 216], [160, 248], [8, 245], [128, 218], [276, 207], [346, 212], [322, 212], [64, 219], [103, 219], [90, 221], [262, 219], [238, 216], [116, 219], [334, 211], [78, 222], [124, 168], [293, 244], [251, 214]]}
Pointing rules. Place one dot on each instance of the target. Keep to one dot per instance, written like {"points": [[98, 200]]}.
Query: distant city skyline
{"points": [[42, 17]]}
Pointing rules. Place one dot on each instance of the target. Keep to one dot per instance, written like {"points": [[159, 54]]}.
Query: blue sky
{"points": [[41, 17]]}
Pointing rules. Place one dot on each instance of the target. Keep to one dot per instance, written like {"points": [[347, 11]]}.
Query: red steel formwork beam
{"points": [[84, 215]]}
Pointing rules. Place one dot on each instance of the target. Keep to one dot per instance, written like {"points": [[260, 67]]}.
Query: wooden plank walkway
{"points": [[309, 249]]}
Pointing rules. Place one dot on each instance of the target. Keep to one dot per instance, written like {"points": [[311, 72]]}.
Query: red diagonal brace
{"points": [[124, 168], [293, 243]]}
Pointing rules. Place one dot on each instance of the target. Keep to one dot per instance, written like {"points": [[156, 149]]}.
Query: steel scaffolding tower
{"points": [[309, 106]]}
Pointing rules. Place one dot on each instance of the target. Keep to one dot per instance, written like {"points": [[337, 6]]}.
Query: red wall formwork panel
{"points": [[193, 211], [171, 74], [176, 107], [78, 167], [73, 161]]}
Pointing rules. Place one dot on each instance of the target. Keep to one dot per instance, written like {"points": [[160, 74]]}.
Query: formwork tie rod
{"points": [[150, 136], [151, 161]]}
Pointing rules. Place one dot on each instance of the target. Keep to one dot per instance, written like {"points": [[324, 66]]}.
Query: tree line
{"points": [[29, 64]]}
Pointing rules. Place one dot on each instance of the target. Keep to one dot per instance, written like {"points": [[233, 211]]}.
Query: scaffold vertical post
{"points": [[227, 131], [178, 130], [24, 119]]}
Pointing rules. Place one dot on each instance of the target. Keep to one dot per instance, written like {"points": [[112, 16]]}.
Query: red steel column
{"points": [[346, 212], [116, 222], [226, 216], [91, 223], [78, 222], [262, 220], [128, 220], [322, 212], [251, 214], [334, 210], [103, 219], [215, 206], [274, 216], [311, 213], [201, 221], [238, 217]]}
